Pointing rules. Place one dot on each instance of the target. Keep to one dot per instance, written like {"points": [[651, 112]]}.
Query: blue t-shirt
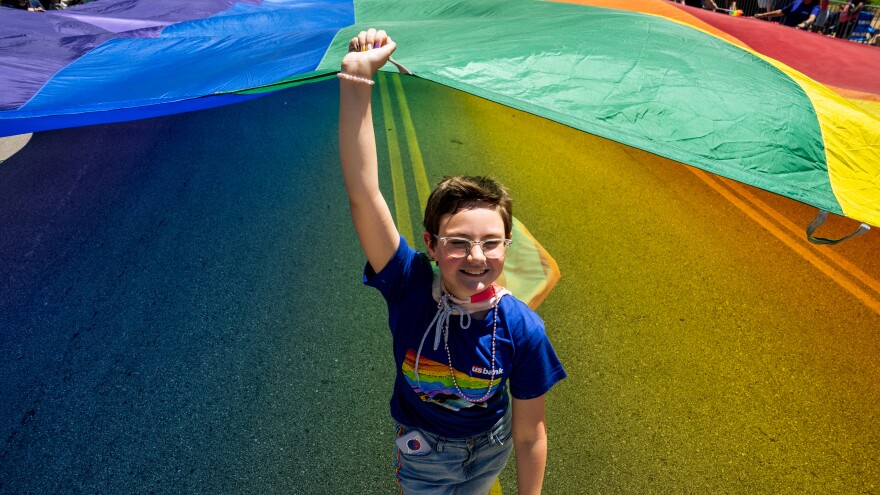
{"points": [[524, 359], [798, 12]]}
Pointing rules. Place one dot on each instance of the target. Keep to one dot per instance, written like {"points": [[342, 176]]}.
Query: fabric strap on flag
{"points": [[820, 219]]}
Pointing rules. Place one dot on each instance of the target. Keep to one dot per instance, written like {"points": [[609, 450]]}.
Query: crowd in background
{"points": [[41, 5], [833, 18]]}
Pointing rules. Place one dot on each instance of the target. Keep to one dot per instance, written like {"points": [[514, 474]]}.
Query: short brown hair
{"points": [[453, 194]]}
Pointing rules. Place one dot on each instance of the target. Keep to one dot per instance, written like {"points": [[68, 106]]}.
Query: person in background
{"points": [[849, 16], [815, 22], [795, 13], [29, 5]]}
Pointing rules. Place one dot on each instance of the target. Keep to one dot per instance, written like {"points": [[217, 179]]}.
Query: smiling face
{"points": [[464, 277]]}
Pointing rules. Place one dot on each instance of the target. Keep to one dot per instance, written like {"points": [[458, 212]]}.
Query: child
{"points": [[460, 342]]}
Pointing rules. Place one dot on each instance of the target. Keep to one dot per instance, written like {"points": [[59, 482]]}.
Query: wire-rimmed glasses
{"points": [[460, 247]]}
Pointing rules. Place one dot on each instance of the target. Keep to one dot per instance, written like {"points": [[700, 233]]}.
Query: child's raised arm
{"points": [[357, 146]]}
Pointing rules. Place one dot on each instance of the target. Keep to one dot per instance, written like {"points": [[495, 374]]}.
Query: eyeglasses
{"points": [[459, 247]]}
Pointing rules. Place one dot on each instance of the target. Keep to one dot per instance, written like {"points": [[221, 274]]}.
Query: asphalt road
{"points": [[181, 310]]}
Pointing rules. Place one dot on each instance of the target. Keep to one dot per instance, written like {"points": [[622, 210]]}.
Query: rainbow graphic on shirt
{"points": [[436, 383]]}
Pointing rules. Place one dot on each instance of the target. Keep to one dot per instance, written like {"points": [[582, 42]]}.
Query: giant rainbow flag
{"points": [[791, 112]]}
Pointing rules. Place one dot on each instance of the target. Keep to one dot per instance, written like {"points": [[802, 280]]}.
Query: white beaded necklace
{"points": [[441, 325], [452, 370]]}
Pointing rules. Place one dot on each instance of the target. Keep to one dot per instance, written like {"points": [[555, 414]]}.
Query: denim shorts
{"points": [[454, 466]]}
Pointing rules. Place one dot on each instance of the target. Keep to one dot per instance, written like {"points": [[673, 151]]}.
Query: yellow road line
{"points": [[401, 203], [840, 261], [415, 154], [834, 274]]}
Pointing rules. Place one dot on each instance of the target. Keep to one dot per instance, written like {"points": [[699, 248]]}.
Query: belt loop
{"points": [[496, 439], [439, 445]]}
